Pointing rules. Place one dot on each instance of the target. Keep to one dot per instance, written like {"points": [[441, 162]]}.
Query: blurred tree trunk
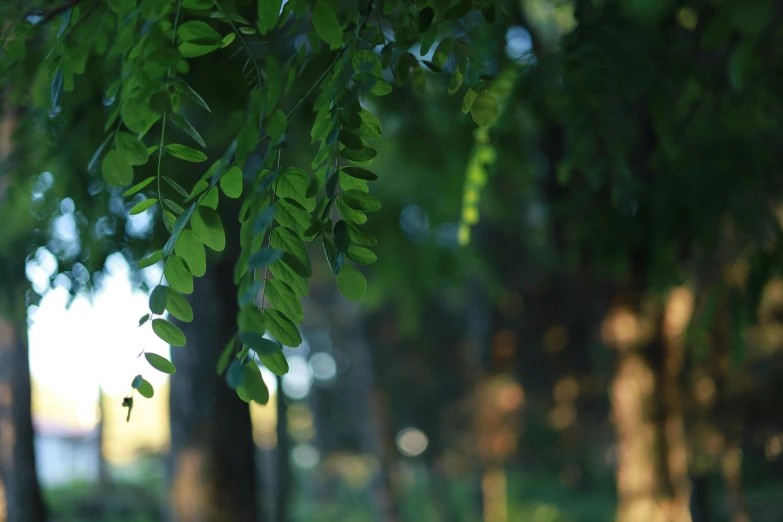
{"points": [[652, 480], [22, 495], [369, 412], [282, 453], [214, 473]]}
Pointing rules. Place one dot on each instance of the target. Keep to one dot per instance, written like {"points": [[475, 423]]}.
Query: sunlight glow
{"points": [[94, 342]]}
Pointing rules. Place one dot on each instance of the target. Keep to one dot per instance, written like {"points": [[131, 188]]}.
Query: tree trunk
{"points": [[282, 452], [20, 495], [652, 481], [368, 411], [20, 491], [213, 466]]}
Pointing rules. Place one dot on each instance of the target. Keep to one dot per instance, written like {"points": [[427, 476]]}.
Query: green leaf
{"points": [[168, 332], [268, 14], [365, 61], [157, 300], [143, 319], [350, 214], [275, 362], [198, 32], [178, 306], [350, 140], [292, 183], [116, 170], [362, 256], [178, 276], [138, 186], [227, 40], [141, 206], [282, 329], [284, 300], [264, 219], [333, 257], [264, 257], [207, 224], [351, 283], [181, 191], [361, 154], [425, 18], [231, 182], [341, 237], [185, 125], [179, 226], [192, 50], [190, 248], [258, 343], [276, 124], [456, 82], [326, 25], [371, 126], [285, 240], [350, 183], [250, 318], [211, 199], [253, 383], [484, 109], [151, 259], [361, 236], [442, 52], [225, 356], [236, 376], [283, 271], [122, 7], [363, 201], [185, 153], [427, 41], [143, 387], [381, 88], [160, 363], [467, 101], [188, 91], [292, 215], [132, 149], [360, 173]]}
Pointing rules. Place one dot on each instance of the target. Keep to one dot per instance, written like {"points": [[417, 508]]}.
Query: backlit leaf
{"points": [[168, 332], [160, 363], [141, 206], [178, 306], [326, 25], [178, 275], [231, 182], [207, 224], [185, 153]]}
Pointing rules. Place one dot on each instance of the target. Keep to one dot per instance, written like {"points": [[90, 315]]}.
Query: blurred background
{"points": [[576, 314]]}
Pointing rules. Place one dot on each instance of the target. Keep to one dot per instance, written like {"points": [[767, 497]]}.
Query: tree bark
{"points": [[213, 454], [18, 478]]}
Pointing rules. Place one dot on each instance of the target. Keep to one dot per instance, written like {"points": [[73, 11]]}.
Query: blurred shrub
{"points": [[83, 502]]}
